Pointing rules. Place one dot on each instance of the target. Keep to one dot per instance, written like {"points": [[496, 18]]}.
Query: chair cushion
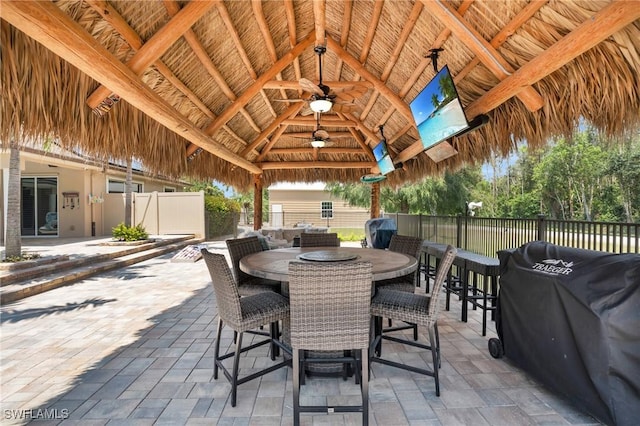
{"points": [[261, 309], [401, 305]]}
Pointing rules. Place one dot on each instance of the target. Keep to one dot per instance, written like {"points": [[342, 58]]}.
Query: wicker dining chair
{"points": [[242, 314], [420, 309], [314, 239], [330, 312], [411, 246], [248, 285]]}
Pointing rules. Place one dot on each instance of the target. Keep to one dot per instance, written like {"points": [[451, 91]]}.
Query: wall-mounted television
{"points": [[437, 110], [380, 152]]}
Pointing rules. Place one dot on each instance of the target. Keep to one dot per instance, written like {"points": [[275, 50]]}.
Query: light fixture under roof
{"points": [[317, 143], [320, 105]]}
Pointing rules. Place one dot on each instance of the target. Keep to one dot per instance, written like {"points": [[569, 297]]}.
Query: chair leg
{"points": [[415, 332], [435, 327], [234, 374], [216, 352], [273, 334], [364, 383], [435, 358], [296, 387]]}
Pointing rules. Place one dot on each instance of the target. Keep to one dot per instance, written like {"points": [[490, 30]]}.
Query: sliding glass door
{"points": [[39, 206]]}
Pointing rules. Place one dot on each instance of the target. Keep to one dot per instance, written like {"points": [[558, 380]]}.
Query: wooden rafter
{"points": [[384, 90], [336, 86], [327, 150], [112, 16], [591, 32], [290, 165], [255, 87], [271, 143], [320, 20], [48, 25], [326, 121], [226, 18], [290, 112], [200, 52], [483, 50], [291, 26], [393, 59], [266, 36], [158, 44], [344, 33], [424, 63]]}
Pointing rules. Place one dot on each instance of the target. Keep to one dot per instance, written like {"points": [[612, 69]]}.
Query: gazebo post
{"points": [[375, 200], [257, 202]]}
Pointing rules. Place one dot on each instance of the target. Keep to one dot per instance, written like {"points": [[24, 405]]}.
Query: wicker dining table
{"points": [[274, 264]]}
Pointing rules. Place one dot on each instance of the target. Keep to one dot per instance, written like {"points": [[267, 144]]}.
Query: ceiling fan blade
{"points": [[322, 134], [310, 87]]}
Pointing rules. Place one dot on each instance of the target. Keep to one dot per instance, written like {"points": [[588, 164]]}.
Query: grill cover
{"points": [[378, 232], [571, 318]]}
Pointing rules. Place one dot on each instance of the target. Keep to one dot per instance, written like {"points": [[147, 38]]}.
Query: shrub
{"points": [[123, 232]]}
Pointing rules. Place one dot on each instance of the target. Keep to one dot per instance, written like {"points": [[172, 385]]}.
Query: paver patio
{"points": [[135, 346]]}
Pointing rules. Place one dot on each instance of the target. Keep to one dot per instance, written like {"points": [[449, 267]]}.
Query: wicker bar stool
{"points": [[314, 239], [248, 285], [411, 246], [330, 312], [243, 314], [420, 309]]}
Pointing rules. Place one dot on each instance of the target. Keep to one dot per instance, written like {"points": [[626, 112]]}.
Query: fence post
{"points": [[542, 228], [459, 230]]}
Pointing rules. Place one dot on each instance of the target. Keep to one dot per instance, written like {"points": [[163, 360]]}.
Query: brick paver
{"points": [[135, 346]]}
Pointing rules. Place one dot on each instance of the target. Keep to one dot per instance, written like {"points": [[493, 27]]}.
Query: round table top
{"points": [[274, 264]]}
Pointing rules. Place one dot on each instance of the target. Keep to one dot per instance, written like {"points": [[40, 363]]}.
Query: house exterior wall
{"points": [[96, 211], [303, 203]]}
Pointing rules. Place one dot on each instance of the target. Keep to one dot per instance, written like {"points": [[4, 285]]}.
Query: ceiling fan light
{"points": [[320, 105], [317, 143]]}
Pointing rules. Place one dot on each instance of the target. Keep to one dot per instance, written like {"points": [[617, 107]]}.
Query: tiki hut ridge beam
{"points": [[487, 54], [587, 35], [48, 25], [158, 44], [320, 20], [335, 85], [290, 165]]}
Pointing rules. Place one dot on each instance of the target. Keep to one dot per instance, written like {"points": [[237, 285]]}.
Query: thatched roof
{"points": [[213, 74]]}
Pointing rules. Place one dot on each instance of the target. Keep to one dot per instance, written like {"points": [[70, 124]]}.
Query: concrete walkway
{"points": [[135, 346]]}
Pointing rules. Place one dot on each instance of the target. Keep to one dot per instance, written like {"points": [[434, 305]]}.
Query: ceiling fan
{"points": [[319, 137], [323, 99]]}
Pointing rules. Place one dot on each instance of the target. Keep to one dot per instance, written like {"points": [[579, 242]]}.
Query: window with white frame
{"points": [[326, 210], [115, 186], [169, 189]]}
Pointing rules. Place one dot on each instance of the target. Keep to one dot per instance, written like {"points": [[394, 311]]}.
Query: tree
{"points": [[13, 243], [624, 166]]}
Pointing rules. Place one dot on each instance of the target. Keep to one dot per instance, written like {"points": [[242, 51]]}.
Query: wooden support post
{"points": [[375, 200], [257, 202]]}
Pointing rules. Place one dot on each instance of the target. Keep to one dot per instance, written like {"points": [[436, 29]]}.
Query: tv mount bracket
{"points": [[433, 54]]}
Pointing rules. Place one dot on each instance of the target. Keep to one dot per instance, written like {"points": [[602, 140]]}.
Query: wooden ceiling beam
{"points": [[290, 14], [158, 44], [266, 36], [336, 86], [334, 135], [590, 33], [384, 90], [507, 31], [290, 165], [393, 59], [325, 150], [114, 18], [483, 50], [424, 63], [344, 34], [320, 20], [48, 25], [198, 49], [252, 90], [326, 122], [290, 112], [228, 22], [276, 136]]}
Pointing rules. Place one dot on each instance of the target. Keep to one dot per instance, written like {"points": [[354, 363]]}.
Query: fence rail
{"points": [[488, 235], [485, 235]]}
